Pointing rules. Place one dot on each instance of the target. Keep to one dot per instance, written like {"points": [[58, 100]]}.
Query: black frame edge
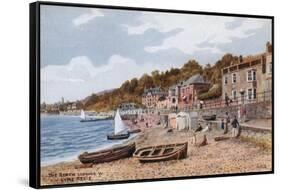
{"points": [[273, 91], [85, 5], [34, 159], [34, 97]]}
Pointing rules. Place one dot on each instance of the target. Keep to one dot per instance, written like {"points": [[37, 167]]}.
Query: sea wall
{"points": [[257, 133], [261, 110]]}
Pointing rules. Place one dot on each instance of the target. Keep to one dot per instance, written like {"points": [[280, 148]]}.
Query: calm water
{"points": [[63, 138]]}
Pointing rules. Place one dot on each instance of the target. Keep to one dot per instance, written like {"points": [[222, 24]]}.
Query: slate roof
{"points": [[154, 91], [194, 79]]}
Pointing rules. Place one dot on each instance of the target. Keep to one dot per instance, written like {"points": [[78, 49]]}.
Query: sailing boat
{"points": [[84, 118], [120, 129]]}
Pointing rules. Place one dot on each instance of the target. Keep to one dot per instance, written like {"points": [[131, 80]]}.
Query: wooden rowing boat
{"points": [[107, 155], [209, 117], [162, 152], [221, 138], [135, 131], [118, 136]]}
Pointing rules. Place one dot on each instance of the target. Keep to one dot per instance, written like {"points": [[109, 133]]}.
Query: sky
{"points": [[88, 50]]}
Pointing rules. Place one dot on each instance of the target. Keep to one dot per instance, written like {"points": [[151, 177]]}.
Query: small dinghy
{"points": [[108, 155], [120, 129], [162, 152], [209, 117], [135, 131], [118, 136]]}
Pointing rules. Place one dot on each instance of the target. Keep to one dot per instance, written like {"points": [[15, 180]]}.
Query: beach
{"points": [[235, 155]]}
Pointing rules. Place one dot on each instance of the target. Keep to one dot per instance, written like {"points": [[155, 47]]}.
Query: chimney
{"points": [[268, 47], [240, 59]]}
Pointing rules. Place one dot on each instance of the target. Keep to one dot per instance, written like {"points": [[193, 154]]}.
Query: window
{"points": [[233, 77], [255, 93], [254, 75], [270, 67], [234, 94], [251, 75], [252, 94], [225, 79]]}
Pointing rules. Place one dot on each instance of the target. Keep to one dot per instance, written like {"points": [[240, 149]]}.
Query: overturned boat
{"points": [[162, 152], [135, 131], [120, 129], [209, 117], [107, 155]]}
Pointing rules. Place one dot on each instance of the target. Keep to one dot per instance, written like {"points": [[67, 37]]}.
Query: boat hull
{"points": [[149, 154], [135, 131], [209, 117], [118, 136], [108, 155]]}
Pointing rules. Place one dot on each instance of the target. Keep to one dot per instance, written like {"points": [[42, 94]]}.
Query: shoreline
{"points": [[222, 157]]}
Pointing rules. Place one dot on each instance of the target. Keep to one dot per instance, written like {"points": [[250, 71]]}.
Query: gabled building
{"points": [[151, 96], [173, 96], [190, 89], [248, 77], [184, 93]]}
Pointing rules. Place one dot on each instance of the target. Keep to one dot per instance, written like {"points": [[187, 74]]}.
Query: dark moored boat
{"points": [[162, 152], [108, 154], [209, 117], [134, 131], [118, 136]]}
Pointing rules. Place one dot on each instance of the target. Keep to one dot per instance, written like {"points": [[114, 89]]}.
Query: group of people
{"points": [[226, 121]]}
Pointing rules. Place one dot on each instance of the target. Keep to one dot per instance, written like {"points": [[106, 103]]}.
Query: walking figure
{"points": [[226, 122], [236, 129]]}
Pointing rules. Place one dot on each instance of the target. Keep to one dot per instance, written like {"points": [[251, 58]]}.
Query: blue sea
{"points": [[63, 138]]}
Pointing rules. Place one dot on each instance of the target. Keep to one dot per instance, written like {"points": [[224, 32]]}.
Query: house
{"points": [[173, 96], [184, 94], [127, 106], [190, 89], [72, 107], [249, 77], [162, 102], [151, 96]]}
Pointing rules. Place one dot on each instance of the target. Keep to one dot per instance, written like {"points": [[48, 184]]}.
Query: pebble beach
{"points": [[234, 155]]}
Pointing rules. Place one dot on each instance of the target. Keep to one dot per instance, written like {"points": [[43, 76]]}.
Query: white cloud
{"points": [[196, 29], [80, 78], [86, 17]]}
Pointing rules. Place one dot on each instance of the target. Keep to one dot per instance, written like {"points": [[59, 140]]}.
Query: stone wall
{"points": [[261, 110]]}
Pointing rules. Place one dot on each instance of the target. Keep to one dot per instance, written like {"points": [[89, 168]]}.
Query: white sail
{"points": [[119, 125], [83, 116]]}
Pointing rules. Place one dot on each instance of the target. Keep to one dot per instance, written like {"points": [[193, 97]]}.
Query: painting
{"points": [[122, 94]]}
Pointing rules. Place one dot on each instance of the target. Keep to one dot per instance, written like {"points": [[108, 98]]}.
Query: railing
{"points": [[239, 100], [210, 104]]}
